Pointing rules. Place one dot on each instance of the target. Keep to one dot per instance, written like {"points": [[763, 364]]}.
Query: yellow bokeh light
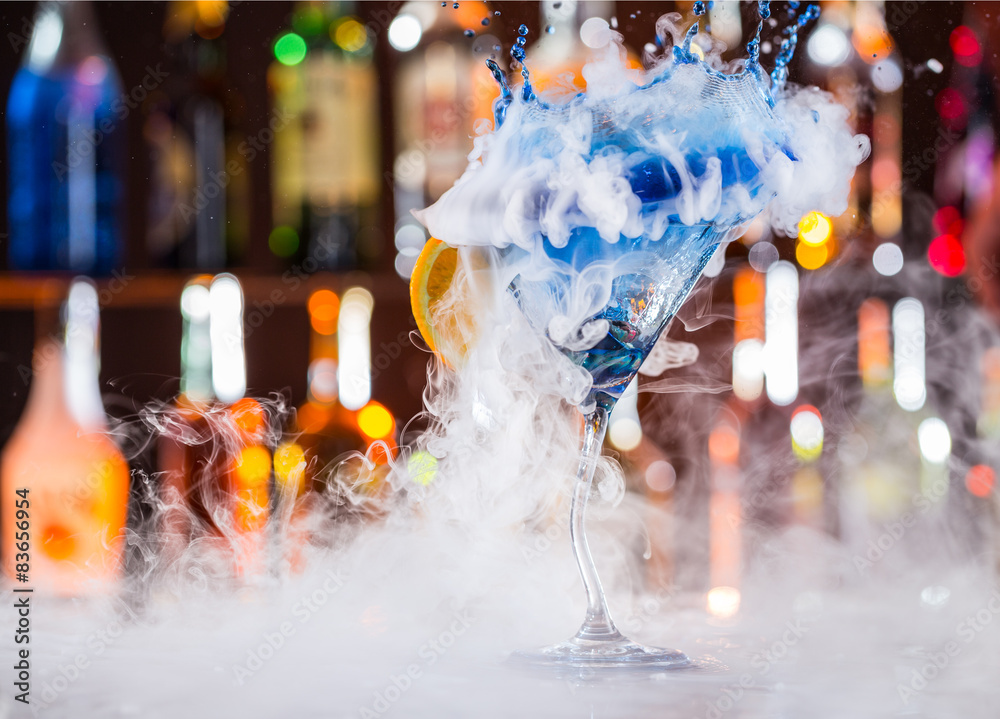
{"points": [[375, 421], [351, 35], [324, 308], [815, 229], [251, 472], [810, 257], [290, 467], [253, 467], [422, 467]]}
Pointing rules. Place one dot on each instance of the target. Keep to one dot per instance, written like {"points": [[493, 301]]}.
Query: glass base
{"points": [[610, 653]]}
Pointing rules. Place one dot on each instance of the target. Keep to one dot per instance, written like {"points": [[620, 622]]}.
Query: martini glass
{"points": [[636, 287], [691, 144]]}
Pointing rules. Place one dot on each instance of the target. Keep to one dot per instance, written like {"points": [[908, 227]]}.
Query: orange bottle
{"points": [[340, 417], [74, 478]]}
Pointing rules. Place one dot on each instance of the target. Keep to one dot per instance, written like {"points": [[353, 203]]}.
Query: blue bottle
{"points": [[65, 143]]}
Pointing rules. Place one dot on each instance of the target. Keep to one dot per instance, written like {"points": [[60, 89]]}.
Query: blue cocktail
{"points": [[604, 210]]}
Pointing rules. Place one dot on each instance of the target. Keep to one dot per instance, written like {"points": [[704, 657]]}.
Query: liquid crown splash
{"points": [[615, 198]]}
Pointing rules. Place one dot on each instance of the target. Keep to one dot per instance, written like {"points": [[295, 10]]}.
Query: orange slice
{"points": [[442, 302]]}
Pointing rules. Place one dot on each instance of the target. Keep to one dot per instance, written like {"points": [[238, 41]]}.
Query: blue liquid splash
{"points": [[651, 275], [681, 54]]}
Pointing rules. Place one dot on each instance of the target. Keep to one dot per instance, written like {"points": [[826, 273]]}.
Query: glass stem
{"points": [[598, 626]]}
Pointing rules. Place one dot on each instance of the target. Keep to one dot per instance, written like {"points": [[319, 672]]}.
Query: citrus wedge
{"points": [[442, 302]]}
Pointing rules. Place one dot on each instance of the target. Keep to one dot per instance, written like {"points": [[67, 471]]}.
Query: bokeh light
{"points": [[290, 467], [422, 467], [828, 45], [283, 241], [980, 479], [290, 49], [405, 32], [375, 421], [350, 35], [950, 104], [807, 432], [660, 476], [811, 257], [966, 47], [249, 416], [815, 229], [887, 259], [723, 602], [935, 440], [724, 444], [946, 255], [324, 308]]}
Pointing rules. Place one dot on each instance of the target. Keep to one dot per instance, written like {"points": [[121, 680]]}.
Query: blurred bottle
{"points": [[891, 468], [340, 420], [571, 32], [444, 94], [325, 167], [557, 57], [214, 451], [76, 479], [65, 141], [199, 196]]}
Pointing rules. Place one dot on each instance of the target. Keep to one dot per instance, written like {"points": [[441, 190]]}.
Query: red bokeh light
{"points": [[950, 104], [948, 221], [965, 45], [946, 255], [980, 480], [806, 408]]}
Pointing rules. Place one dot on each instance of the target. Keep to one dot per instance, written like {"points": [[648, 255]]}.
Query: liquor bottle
{"points": [[184, 427], [558, 56], [339, 420], [199, 196], [65, 142], [61, 464], [888, 472], [216, 464], [571, 33], [325, 167], [444, 93]]}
